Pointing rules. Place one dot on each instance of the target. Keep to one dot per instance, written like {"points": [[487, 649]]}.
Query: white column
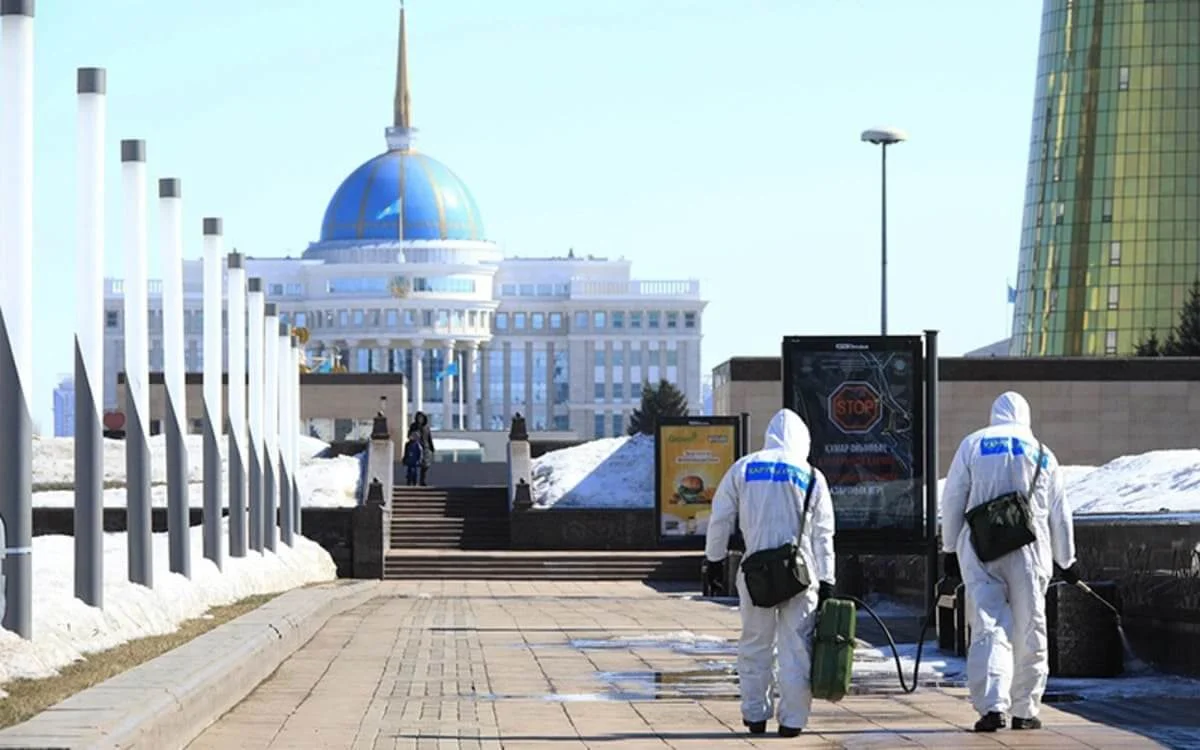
{"points": [[286, 431], [235, 283], [294, 394], [447, 386], [472, 368], [270, 426], [213, 371], [255, 356], [16, 313], [170, 224], [137, 366], [89, 337], [417, 353]]}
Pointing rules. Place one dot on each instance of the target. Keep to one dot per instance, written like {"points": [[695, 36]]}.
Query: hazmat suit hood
{"points": [[1011, 408], [788, 433]]}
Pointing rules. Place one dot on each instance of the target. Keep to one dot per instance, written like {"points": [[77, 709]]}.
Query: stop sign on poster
{"points": [[855, 407]]}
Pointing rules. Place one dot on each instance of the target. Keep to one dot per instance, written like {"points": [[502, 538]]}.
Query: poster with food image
{"points": [[693, 455]]}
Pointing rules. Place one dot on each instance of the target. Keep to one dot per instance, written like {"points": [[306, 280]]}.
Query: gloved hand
{"points": [[1071, 574], [950, 567], [824, 591], [714, 575]]}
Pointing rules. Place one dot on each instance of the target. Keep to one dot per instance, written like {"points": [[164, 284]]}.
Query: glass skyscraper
{"points": [[1110, 240]]}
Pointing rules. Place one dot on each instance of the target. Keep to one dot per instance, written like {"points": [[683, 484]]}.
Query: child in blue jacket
{"points": [[413, 453]]}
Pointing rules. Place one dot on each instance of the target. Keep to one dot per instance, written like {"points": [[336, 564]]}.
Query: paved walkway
{"points": [[433, 664]]}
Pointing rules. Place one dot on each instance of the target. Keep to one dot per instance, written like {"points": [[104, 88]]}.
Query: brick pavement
{"points": [[486, 664]]}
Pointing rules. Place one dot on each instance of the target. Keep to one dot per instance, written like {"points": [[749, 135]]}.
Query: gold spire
{"points": [[403, 111]]}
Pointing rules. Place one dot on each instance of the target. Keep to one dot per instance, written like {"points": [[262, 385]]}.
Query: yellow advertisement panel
{"points": [[692, 460]]}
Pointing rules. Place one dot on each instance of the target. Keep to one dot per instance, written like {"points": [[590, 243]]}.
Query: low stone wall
{"points": [[583, 529], [61, 521], [1154, 562]]}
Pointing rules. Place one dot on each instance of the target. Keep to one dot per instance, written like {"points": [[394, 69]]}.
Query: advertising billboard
{"points": [[862, 399], [692, 455]]}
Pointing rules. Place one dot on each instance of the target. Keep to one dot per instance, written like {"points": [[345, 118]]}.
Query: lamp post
{"points": [[883, 137]]}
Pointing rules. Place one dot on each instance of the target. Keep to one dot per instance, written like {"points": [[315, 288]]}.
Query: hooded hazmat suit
{"points": [[766, 505], [1008, 659]]}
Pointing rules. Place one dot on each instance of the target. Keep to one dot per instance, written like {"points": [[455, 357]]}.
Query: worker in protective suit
{"points": [[763, 494], [1008, 659]]}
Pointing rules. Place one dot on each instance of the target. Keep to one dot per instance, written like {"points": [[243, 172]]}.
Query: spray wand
{"points": [[1090, 592]]}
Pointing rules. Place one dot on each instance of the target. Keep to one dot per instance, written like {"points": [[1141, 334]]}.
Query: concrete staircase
{"points": [[542, 565], [449, 518], [457, 533]]}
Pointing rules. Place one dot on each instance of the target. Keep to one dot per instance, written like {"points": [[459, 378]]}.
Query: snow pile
{"points": [[618, 473], [324, 482], [331, 482], [1160, 481], [608, 473], [65, 629], [54, 460]]}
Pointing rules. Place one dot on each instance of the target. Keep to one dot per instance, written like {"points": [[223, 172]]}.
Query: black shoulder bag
{"points": [[1004, 524], [775, 575]]}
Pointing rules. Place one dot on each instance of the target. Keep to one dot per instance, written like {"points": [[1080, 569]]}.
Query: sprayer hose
{"points": [[892, 642]]}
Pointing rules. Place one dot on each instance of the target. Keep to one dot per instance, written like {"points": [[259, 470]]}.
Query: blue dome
{"points": [[437, 205]]}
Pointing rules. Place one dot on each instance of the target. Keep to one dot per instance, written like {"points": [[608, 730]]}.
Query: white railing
{"points": [[594, 288]]}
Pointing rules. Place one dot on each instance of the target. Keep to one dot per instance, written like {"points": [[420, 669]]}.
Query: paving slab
{"points": [[560, 664], [167, 701]]}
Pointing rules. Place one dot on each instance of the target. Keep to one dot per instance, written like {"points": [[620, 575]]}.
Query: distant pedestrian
{"points": [[421, 426], [413, 452]]}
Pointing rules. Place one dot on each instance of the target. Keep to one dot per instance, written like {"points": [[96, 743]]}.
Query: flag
{"points": [[1012, 295], [391, 210], [451, 369]]}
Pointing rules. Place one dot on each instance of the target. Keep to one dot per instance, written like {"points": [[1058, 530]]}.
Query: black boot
{"points": [[788, 731], [1019, 723], [990, 722], [756, 727]]}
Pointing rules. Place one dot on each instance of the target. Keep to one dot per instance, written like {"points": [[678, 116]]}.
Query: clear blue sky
{"points": [[712, 139]]}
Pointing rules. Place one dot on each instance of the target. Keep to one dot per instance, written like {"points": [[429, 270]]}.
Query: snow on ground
{"points": [[324, 482], [608, 473], [66, 630], [1162, 481], [54, 460], [619, 473], [331, 482]]}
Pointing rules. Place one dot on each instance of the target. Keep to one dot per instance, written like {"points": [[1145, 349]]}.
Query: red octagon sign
{"points": [[855, 407]]}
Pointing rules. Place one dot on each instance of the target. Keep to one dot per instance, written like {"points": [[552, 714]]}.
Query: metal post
{"points": [[883, 244], [170, 223], [235, 425], [931, 465], [213, 368], [16, 312], [89, 338], [254, 347], [283, 424], [745, 446], [294, 391], [270, 426], [137, 367]]}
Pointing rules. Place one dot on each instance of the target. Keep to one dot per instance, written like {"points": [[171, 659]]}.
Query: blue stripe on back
{"points": [[1003, 446], [776, 471]]}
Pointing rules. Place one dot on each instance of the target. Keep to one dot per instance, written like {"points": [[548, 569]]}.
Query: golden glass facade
{"points": [[1110, 240]]}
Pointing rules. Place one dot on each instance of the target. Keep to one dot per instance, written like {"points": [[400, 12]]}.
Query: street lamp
{"points": [[883, 137]]}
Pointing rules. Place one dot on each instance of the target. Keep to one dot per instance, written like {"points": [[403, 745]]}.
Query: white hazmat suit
{"points": [[766, 504], [1008, 659]]}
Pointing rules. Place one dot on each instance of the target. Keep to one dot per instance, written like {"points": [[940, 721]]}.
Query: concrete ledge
{"points": [[168, 701]]}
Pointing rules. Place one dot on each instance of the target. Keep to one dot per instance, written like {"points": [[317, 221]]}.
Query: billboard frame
{"points": [[916, 539], [691, 541]]}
